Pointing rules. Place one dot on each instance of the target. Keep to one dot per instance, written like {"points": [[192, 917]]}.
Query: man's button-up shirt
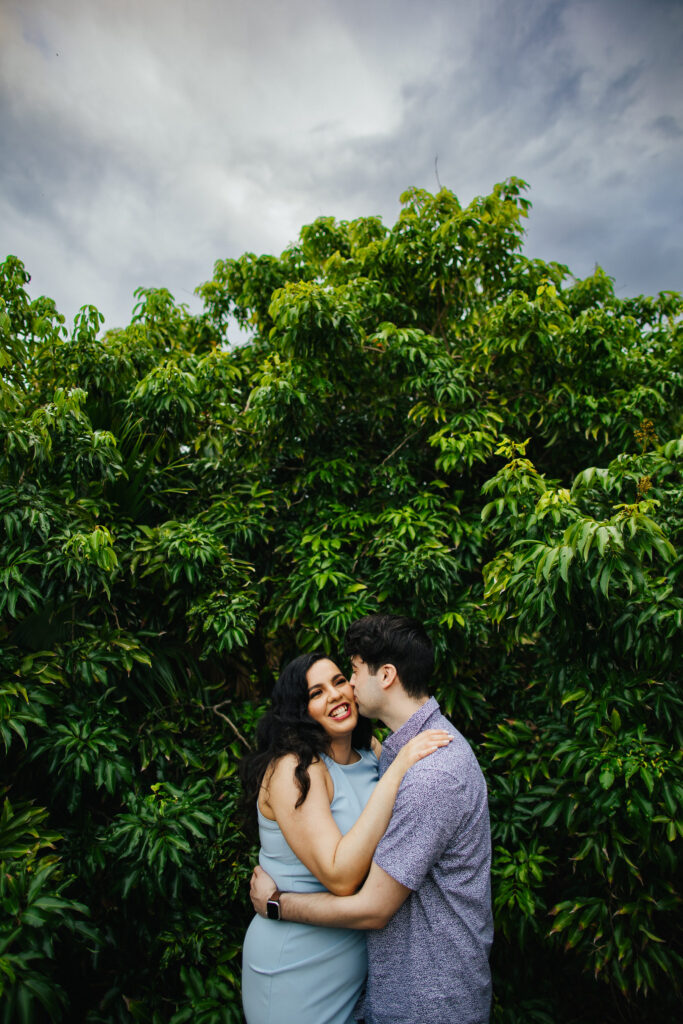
{"points": [[429, 965]]}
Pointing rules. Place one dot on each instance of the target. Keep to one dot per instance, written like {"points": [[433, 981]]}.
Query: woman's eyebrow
{"points": [[317, 686]]}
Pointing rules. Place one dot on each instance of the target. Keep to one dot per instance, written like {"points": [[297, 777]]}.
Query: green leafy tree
{"points": [[422, 420]]}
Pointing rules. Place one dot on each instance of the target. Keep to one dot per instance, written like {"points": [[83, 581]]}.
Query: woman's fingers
{"points": [[435, 737], [431, 748], [429, 741]]}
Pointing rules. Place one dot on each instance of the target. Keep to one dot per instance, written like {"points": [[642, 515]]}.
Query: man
{"points": [[426, 902]]}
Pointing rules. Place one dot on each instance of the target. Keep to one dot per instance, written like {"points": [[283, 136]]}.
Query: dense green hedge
{"points": [[423, 421]]}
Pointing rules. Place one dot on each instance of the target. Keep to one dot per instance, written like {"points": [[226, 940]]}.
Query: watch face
{"points": [[273, 910]]}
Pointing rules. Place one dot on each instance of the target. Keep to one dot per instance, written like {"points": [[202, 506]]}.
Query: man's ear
{"points": [[387, 675]]}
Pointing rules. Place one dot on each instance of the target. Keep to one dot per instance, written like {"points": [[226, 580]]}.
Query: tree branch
{"points": [[398, 447], [238, 734]]}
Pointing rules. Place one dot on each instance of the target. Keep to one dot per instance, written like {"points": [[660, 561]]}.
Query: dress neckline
{"points": [[351, 764]]}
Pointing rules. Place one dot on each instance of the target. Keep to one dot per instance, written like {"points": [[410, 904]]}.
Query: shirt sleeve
{"points": [[427, 813]]}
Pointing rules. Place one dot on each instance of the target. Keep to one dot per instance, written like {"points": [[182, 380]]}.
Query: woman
{"points": [[321, 813]]}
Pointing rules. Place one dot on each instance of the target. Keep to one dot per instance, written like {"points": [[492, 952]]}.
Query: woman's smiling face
{"points": [[330, 698]]}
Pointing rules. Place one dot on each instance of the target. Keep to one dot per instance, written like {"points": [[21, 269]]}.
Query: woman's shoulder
{"points": [[283, 769]]}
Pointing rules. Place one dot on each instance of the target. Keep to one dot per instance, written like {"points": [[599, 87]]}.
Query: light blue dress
{"points": [[299, 973]]}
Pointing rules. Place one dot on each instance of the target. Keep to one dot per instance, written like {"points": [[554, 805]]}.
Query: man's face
{"points": [[366, 687]]}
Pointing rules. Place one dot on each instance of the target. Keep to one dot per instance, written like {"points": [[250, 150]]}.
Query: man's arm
{"points": [[370, 907]]}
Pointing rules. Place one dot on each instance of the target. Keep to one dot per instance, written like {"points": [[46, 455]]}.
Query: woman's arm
{"points": [[340, 862]]}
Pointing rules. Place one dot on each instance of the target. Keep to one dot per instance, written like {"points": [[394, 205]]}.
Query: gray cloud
{"points": [[668, 126], [143, 141]]}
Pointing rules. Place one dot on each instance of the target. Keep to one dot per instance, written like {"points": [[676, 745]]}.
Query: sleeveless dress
{"points": [[299, 973]]}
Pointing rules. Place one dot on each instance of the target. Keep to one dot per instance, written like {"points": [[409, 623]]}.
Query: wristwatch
{"points": [[273, 912]]}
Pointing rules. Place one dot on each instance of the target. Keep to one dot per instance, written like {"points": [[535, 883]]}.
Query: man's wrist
{"points": [[274, 906]]}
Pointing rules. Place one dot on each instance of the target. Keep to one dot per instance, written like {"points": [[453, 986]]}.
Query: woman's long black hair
{"points": [[287, 728]]}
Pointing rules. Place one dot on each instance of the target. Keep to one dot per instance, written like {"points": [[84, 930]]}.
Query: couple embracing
{"points": [[367, 847]]}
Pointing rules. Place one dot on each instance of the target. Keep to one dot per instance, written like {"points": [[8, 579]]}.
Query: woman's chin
{"points": [[343, 728]]}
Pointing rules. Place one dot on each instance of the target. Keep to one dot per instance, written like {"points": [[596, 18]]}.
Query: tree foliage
{"points": [[423, 420]]}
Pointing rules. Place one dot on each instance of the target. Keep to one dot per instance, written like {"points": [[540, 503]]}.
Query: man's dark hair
{"points": [[393, 640]]}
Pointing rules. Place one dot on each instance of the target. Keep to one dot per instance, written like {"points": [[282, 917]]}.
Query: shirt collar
{"points": [[412, 727]]}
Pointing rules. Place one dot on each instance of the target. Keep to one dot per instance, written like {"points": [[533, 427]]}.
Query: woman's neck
{"points": [[341, 750]]}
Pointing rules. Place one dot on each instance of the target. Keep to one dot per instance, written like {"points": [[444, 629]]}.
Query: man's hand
{"points": [[261, 889]]}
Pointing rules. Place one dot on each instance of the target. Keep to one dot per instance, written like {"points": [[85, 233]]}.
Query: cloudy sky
{"points": [[141, 140]]}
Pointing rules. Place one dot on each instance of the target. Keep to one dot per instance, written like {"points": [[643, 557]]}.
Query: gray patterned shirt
{"points": [[429, 964]]}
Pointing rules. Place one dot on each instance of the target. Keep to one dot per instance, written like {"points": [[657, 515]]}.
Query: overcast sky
{"points": [[141, 140]]}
